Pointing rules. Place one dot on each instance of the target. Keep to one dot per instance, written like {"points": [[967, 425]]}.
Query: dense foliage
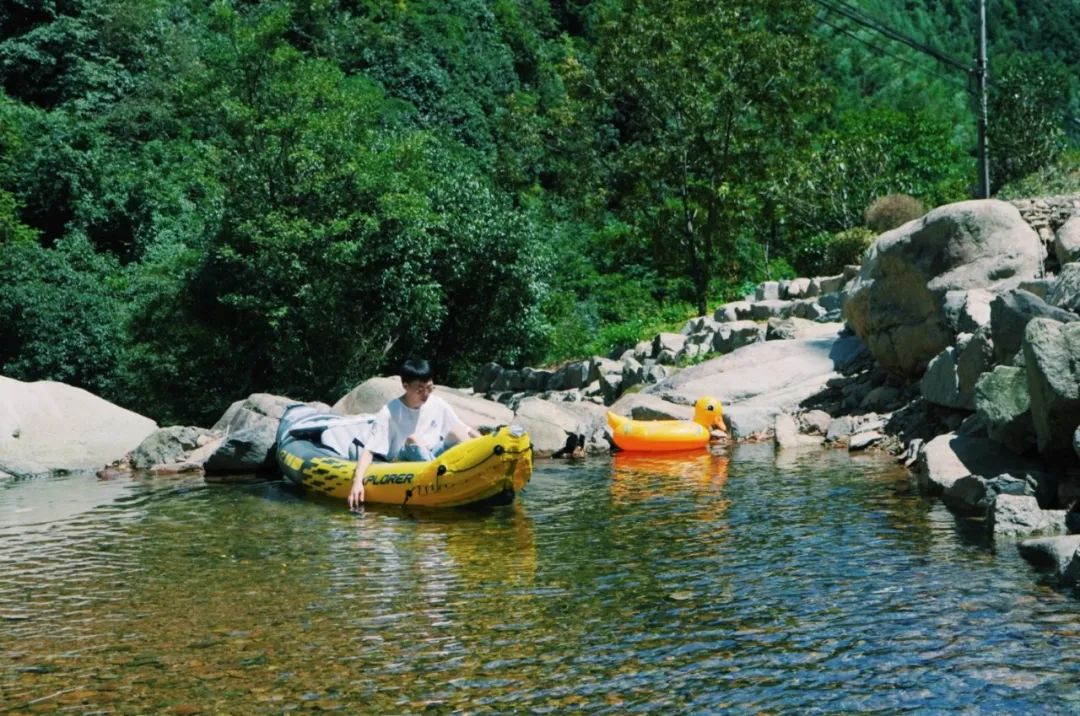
{"points": [[203, 200]]}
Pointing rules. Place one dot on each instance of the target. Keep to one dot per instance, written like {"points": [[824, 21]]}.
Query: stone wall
{"points": [[1046, 214]]}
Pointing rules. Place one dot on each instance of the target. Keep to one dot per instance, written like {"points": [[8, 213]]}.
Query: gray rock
{"points": [[809, 309], [840, 429], [940, 383], [1067, 241], [786, 434], [257, 410], [798, 288], [815, 422], [644, 406], [831, 301], [896, 304], [763, 310], [975, 357], [1002, 400], [768, 291], [1052, 356], [883, 397], [766, 378], [486, 377], [245, 451], [1010, 313], [643, 351], [572, 376], [535, 380], [701, 324], [832, 284], [750, 421], [1065, 291], [863, 440], [949, 457], [508, 380], [672, 342], [548, 424], [730, 336], [168, 445], [734, 311], [1058, 554], [1038, 286], [975, 494], [1076, 442], [611, 386], [968, 310], [780, 329], [1021, 515]]}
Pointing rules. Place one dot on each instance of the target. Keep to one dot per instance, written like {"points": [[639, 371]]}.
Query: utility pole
{"points": [[980, 82]]}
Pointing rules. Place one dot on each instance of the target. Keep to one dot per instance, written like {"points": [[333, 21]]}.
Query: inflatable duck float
{"points": [[657, 435]]}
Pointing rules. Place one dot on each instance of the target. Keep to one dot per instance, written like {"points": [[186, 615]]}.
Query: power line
{"points": [[899, 58], [858, 16]]}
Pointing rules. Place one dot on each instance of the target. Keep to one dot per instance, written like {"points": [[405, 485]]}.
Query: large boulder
{"points": [[1052, 357], [897, 303], [50, 427], [250, 428]]}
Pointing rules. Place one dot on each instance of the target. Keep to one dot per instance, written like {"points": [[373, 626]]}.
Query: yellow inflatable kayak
{"points": [[659, 435], [490, 469]]}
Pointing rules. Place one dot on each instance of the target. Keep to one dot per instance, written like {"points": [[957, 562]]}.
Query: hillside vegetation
{"points": [[204, 200]]}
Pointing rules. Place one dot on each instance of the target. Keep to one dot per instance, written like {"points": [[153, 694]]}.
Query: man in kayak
{"points": [[416, 426]]}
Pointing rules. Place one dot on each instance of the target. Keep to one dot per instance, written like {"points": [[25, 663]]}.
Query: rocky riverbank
{"points": [[955, 346]]}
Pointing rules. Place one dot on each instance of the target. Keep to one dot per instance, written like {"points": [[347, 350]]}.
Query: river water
{"points": [[747, 582]]}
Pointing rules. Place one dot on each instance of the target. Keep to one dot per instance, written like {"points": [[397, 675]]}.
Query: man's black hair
{"points": [[415, 369]]}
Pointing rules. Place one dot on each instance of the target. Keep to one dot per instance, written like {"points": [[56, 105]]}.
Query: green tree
{"points": [[705, 95], [1027, 110]]}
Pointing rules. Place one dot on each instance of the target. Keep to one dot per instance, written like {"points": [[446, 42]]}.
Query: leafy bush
{"points": [[846, 248], [892, 210], [1062, 177], [811, 255]]}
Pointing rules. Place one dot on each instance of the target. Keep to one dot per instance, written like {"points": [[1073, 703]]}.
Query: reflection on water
{"points": [[743, 581]]}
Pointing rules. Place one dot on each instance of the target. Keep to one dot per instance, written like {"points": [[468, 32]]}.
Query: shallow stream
{"points": [[739, 583]]}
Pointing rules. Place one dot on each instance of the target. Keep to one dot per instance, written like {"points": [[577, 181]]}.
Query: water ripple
{"points": [[741, 582]]}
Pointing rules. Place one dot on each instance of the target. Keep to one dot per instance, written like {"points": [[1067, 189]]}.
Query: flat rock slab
{"points": [[776, 375], [47, 427]]}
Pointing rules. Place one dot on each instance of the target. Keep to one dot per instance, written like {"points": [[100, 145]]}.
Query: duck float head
{"points": [[657, 435]]}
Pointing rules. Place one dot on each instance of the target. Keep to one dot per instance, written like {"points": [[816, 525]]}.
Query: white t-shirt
{"points": [[397, 421]]}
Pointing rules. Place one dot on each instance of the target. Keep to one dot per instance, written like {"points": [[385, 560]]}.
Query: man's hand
{"points": [[356, 494]]}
